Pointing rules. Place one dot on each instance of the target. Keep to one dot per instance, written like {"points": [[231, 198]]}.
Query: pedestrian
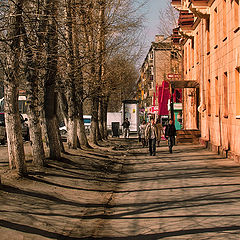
{"points": [[142, 129], [170, 133], [151, 135], [126, 125], [159, 131]]}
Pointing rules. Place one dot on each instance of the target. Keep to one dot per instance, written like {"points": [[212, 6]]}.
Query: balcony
{"points": [[186, 19], [201, 3], [176, 3], [201, 7], [176, 37]]}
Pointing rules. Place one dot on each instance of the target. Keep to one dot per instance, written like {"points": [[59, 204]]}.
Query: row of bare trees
{"points": [[64, 53]]}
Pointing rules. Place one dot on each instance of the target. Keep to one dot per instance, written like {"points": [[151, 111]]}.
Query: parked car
{"points": [[87, 124], [3, 135]]}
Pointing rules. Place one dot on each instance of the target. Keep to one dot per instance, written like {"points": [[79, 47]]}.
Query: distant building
{"points": [[210, 37], [153, 85]]}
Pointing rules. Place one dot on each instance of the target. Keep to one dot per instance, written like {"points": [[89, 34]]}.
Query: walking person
{"points": [[142, 129], [159, 131], [126, 125], [170, 133], [151, 135]]}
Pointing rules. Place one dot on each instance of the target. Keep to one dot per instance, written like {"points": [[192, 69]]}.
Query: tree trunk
{"points": [[12, 117], [81, 128], [72, 133], [105, 110], [81, 132], [94, 120], [50, 81], [60, 137], [72, 120], [99, 137], [101, 119], [51, 123], [13, 129], [32, 99], [44, 127]]}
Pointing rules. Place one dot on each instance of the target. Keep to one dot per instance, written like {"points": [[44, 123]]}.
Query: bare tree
{"points": [[32, 83], [50, 95], [12, 76], [168, 20]]}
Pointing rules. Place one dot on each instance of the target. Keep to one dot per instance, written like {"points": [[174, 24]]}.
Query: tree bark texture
{"points": [[81, 128], [72, 119], [13, 129], [81, 132], [105, 110], [94, 120], [32, 100], [12, 117], [50, 105]]}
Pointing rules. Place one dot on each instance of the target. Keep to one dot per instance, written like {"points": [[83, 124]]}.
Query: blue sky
{"points": [[152, 18], [151, 13]]}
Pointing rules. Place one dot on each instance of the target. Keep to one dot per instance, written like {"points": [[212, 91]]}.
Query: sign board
{"points": [[153, 109], [173, 76]]}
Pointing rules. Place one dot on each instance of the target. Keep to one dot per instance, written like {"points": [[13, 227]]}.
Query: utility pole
{"points": [[172, 103]]}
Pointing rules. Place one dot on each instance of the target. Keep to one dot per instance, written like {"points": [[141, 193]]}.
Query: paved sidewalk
{"points": [[123, 193], [191, 194]]}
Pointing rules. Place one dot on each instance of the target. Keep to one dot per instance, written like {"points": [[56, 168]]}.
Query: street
{"points": [[123, 193]]}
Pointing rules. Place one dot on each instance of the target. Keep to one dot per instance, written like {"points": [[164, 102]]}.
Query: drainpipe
{"points": [[202, 106]]}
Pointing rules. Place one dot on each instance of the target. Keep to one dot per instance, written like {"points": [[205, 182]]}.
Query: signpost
{"points": [[173, 77]]}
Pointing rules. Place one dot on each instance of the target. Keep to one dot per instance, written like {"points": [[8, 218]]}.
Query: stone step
{"points": [[188, 136]]}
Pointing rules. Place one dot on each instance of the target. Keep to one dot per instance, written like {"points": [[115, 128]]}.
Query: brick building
{"points": [[210, 38], [153, 86]]}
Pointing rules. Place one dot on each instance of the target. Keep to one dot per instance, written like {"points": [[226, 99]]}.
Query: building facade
{"points": [[210, 38], [153, 85]]}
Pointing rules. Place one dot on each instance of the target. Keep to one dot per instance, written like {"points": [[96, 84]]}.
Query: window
{"points": [[224, 19], [237, 81], [236, 13], [192, 50], [209, 97], [217, 96], [208, 34], [197, 50], [185, 59], [225, 94], [215, 27], [189, 56]]}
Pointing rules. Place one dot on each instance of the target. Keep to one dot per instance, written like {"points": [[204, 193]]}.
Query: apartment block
{"points": [[153, 86], [210, 39]]}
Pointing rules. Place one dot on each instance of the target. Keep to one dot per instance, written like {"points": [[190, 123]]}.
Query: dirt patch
{"points": [[60, 200]]}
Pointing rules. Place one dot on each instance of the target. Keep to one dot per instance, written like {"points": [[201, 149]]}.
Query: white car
{"points": [[87, 124]]}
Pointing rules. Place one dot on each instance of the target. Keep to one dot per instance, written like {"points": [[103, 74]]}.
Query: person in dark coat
{"points": [[151, 135], [170, 133], [126, 125]]}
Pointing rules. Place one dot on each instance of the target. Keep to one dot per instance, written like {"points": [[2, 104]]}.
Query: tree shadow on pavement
{"points": [[172, 233], [33, 230]]}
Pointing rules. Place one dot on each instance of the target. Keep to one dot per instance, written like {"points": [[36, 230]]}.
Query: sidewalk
{"points": [[125, 194], [191, 194]]}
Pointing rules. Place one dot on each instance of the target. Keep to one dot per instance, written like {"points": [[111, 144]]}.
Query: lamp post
{"points": [[172, 103]]}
